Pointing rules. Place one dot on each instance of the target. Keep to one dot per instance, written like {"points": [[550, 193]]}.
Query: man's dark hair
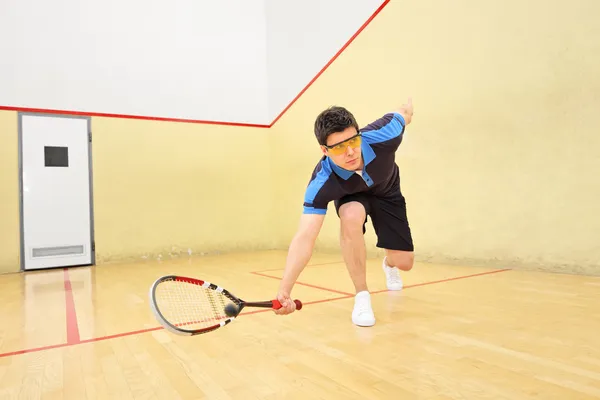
{"points": [[332, 120]]}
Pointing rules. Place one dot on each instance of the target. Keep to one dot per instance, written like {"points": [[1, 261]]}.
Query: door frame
{"points": [[90, 172]]}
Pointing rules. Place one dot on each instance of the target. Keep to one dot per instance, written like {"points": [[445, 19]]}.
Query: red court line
{"points": [[309, 265], [98, 339], [328, 300], [34, 350], [305, 284], [347, 296], [119, 335], [449, 279], [371, 18], [142, 117], [303, 304], [71, 314]]}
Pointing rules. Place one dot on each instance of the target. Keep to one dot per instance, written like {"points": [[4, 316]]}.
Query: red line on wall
{"points": [[96, 114], [71, 314], [226, 123], [381, 7]]}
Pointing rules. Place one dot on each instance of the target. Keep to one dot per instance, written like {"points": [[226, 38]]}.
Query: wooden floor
{"points": [[453, 333]]}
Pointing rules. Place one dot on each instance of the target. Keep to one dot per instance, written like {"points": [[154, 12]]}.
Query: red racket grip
{"points": [[277, 304]]}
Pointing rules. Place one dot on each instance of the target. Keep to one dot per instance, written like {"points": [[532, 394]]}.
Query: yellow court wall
{"points": [[500, 166], [161, 188], [9, 192]]}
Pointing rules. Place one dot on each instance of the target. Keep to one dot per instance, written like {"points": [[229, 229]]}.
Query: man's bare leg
{"points": [[394, 261], [352, 241], [403, 260]]}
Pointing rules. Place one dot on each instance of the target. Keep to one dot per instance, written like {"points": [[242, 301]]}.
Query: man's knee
{"points": [[403, 260], [352, 217]]}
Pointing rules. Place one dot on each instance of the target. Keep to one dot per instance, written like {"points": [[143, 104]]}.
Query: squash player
{"points": [[358, 173]]}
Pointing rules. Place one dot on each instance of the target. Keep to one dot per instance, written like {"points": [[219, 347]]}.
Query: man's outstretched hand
{"points": [[407, 111]]}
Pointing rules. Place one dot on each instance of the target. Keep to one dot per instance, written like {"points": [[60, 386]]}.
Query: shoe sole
{"points": [[363, 325]]}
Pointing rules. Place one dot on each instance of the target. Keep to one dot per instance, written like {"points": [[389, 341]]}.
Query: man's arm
{"points": [[390, 126], [299, 254]]}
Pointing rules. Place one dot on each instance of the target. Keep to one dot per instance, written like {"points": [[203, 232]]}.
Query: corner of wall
{"points": [[9, 193]]}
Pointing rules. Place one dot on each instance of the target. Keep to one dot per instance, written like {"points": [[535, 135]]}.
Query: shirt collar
{"points": [[368, 155]]}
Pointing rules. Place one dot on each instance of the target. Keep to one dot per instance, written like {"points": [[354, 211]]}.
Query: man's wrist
{"points": [[285, 286]]}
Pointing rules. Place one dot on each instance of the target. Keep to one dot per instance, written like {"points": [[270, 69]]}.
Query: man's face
{"points": [[344, 149]]}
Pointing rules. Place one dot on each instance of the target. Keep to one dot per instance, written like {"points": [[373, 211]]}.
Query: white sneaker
{"points": [[392, 276], [362, 315]]}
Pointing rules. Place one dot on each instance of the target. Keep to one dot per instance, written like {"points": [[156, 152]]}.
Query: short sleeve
{"points": [[315, 196], [389, 127]]}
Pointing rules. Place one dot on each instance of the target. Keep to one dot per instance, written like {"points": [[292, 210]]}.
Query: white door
{"points": [[56, 217]]}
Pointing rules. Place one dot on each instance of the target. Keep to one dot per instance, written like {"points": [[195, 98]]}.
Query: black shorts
{"points": [[388, 215]]}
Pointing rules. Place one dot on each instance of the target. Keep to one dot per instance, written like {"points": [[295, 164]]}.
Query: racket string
{"points": [[190, 306]]}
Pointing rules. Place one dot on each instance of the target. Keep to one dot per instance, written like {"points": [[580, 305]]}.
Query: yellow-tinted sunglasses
{"points": [[340, 148]]}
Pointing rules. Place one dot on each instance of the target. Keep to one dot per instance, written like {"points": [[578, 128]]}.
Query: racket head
{"points": [[189, 306]]}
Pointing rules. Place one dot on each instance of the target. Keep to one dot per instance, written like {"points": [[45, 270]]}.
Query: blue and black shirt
{"points": [[380, 175]]}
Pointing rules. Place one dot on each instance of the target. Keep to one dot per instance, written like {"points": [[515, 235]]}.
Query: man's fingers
{"points": [[287, 307]]}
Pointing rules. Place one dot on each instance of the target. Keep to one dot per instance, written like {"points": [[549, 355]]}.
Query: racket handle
{"points": [[277, 304]]}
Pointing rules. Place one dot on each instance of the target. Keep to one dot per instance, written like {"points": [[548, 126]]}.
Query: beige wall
{"points": [[160, 188], [163, 187], [501, 166], [9, 192]]}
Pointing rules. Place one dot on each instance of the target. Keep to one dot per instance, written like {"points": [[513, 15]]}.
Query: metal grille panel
{"points": [[57, 251]]}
